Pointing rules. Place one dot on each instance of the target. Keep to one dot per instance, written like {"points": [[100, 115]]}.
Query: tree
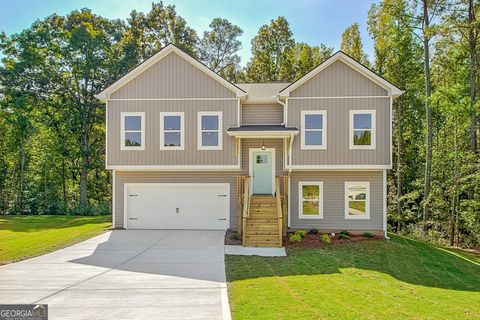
{"points": [[352, 44], [271, 48], [218, 48], [303, 58]]}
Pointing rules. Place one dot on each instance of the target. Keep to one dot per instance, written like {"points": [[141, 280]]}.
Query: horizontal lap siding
{"points": [[334, 200], [122, 177], [152, 155], [262, 114]]}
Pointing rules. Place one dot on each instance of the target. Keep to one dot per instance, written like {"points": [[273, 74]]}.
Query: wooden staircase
{"points": [[261, 227]]}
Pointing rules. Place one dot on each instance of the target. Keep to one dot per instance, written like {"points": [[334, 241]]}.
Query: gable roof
{"points": [[354, 64], [139, 69]]}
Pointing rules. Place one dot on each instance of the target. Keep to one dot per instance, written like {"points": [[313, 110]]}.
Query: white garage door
{"points": [[177, 205]]}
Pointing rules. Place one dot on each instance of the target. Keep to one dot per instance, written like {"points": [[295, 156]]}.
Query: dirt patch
{"points": [[313, 240], [232, 238]]}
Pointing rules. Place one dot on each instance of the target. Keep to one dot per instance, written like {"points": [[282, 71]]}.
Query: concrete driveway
{"points": [[148, 274]]}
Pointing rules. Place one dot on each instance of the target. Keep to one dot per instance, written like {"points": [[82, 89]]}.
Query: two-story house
{"points": [[191, 150]]}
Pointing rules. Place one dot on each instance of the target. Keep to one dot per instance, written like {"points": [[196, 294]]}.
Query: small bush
{"points": [[313, 231], [343, 235], [368, 235], [301, 233], [295, 238], [325, 238], [234, 236]]}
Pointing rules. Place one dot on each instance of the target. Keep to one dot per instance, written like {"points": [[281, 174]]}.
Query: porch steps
{"points": [[261, 228]]}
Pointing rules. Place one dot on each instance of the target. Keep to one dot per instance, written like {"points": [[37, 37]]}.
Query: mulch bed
{"points": [[232, 238], [313, 240]]}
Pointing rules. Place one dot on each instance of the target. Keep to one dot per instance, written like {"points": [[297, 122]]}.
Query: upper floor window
{"points": [[310, 196], [132, 131], [357, 200], [362, 129], [209, 131], [172, 134], [314, 129]]}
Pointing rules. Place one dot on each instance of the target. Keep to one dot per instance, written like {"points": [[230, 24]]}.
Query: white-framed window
{"points": [[357, 200], [314, 129], [310, 199], [362, 129], [209, 130], [132, 131], [172, 133]]}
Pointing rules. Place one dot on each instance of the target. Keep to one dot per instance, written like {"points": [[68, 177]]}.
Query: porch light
{"points": [[263, 145]]}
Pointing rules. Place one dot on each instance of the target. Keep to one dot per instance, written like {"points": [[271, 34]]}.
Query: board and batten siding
{"points": [[262, 114], [152, 155], [277, 144], [334, 200], [338, 117], [172, 77], [122, 177], [338, 80]]}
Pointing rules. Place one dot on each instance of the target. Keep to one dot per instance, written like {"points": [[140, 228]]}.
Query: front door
{"points": [[262, 172]]}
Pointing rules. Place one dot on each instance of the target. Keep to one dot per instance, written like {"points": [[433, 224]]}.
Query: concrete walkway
{"points": [[148, 274]]}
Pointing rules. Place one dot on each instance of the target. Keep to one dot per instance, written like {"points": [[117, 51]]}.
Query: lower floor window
{"points": [[311, 200], [357, 200]]}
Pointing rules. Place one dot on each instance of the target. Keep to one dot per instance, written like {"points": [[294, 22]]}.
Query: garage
{"points": [[177, 205]]}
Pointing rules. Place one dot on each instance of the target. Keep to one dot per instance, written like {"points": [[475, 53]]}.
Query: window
{"points": [[209, 131], [310, 204], [362, 129], [171, 131], [357, 200], [314, 129], [133, 131]]}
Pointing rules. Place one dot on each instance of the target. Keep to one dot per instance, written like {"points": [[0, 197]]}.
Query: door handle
{"points": [[133, 195], [221, 195], [132, 218], [224, 219]]}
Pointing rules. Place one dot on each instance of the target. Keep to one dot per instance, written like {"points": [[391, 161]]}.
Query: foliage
{"points": [[301, 233], [368, 234], [352, 44], [344, 235], [325, 239], [313, 231], [295, 238]]}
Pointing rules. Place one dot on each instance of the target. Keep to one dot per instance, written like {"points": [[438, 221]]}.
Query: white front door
{"points": [[262, 167], [177, 205]]}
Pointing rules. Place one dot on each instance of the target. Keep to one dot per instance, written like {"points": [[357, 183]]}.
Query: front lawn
{"points": [[23, 237], [395, 279]]}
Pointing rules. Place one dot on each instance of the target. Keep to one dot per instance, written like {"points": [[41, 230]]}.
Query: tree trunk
{"points": [[84, 173], [21, 205], [399, 157], [428, 111], [472, 42]]}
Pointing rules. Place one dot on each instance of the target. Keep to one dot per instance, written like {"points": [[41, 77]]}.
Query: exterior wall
{"points": [[338, 117], [338, 80], [257, 143], [334, 200], [152, 155], [122, 177], [262, 114], [172, 77]]}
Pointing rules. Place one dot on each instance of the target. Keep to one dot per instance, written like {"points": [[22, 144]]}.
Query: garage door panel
{"points": [[177, 206]]}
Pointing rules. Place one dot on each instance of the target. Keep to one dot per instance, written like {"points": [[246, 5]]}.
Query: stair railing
{"points": [[278, 197]]}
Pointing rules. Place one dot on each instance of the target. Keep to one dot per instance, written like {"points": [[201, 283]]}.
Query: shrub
{"points": [[368, 235], [301, 233], [325, 238], [345, 232], [295, 238], [344, 235], [313, 231]]}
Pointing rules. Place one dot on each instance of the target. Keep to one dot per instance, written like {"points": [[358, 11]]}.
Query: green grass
{"points": [[395, 279], [23, 237]]}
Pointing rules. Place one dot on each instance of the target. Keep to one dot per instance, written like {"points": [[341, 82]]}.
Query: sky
{"points": [[311, 21]]}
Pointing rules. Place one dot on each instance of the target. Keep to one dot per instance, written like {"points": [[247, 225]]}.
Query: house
{"points": [[191, 150]]}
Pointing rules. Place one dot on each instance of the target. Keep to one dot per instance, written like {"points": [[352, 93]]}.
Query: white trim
{"points": [[340, 97], [300, 199], [113, 198], [391, 130], [170, 99], [105, 94], [262, 134], [219, 131], [289, 202], [392, 90], [367, 202], [340, 167], [182, 130], [250, 165], [175, 167], [106, 133], [123, 147], [304, 146], [173, 184], [385, 204], [373, 130], [239, 114]]}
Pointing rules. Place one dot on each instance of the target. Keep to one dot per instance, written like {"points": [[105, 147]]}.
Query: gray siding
{"points": [[338, 117], [257, 143], [338, 79], [262, 114], [334, 200], [172, 77], [122, 177], [152, 155]]}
